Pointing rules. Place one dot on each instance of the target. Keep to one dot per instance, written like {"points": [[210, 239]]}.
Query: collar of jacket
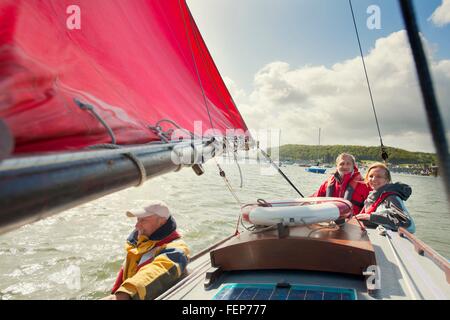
{"points": [[162, 232], [346, 177], [400, 189]]}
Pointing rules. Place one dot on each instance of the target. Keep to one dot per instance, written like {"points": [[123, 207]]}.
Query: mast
{"points": [[426, 85]]}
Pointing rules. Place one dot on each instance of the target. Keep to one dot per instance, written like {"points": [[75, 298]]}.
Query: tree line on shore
{"points": [[328, 154]]}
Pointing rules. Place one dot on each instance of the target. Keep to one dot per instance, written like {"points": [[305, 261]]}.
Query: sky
{"points": [[294, 66]]}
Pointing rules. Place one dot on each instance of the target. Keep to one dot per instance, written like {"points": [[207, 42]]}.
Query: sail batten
{"points": [[136, 62]]}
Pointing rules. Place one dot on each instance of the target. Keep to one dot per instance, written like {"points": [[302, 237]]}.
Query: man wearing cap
{"points": [[156, 256]]}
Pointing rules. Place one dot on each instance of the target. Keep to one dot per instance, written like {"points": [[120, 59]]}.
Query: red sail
{"points": [[136, 62]]}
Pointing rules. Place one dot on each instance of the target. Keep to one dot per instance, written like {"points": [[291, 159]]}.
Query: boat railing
{"points": [[208, 249], [424, 250]]}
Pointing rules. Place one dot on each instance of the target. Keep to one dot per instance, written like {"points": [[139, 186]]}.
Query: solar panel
{"points": [[241, 291]]}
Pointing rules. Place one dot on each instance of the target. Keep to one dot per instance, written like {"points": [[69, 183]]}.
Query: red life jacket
{"points": [[352, 182], [360, 194], [119, 280], [352, 188], [373, 207]]}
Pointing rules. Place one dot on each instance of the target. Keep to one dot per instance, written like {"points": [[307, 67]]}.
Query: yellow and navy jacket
{"points": [[153, 264]]}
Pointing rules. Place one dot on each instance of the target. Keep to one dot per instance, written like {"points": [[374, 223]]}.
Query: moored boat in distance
{"points": [[316, 169]]}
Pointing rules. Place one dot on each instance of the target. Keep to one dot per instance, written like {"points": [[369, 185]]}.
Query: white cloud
{"points": [[441, 16], [300, 100], [236, 93]]}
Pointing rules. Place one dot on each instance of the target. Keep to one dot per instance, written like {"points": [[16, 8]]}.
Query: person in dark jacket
{"points": [[385, 204]]}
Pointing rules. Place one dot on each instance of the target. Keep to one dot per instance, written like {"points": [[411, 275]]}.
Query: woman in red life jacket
{"points": [[384, 205], [345, 183]]}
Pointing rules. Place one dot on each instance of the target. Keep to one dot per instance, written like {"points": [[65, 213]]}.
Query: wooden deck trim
{"points": [[315, 248], [423, 249]]}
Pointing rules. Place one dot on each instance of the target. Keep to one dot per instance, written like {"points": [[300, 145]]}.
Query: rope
{"points": [[230, 188], [227, 147], [240, 171], [88, 107], [384, 154], [159, 132], [132, 157], [113, 145], [254, 228], [222, 174], [361, 225], [263, 203], [168, 132]]}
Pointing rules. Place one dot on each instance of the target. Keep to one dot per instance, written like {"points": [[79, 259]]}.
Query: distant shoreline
{"points": [[328, 154]]}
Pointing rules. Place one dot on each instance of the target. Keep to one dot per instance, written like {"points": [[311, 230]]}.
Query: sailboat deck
{"points": [[404, 274]]}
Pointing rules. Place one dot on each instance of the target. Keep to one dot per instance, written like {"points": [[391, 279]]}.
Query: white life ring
{"points": [[297, 212]]}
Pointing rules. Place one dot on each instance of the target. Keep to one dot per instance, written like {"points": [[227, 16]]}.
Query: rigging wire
{"points": [[235, 150], [230, 188], [239, 168], [202, 58], [198, 40], [280, 172], [222, 174], [384, 153], [195, 64]]}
